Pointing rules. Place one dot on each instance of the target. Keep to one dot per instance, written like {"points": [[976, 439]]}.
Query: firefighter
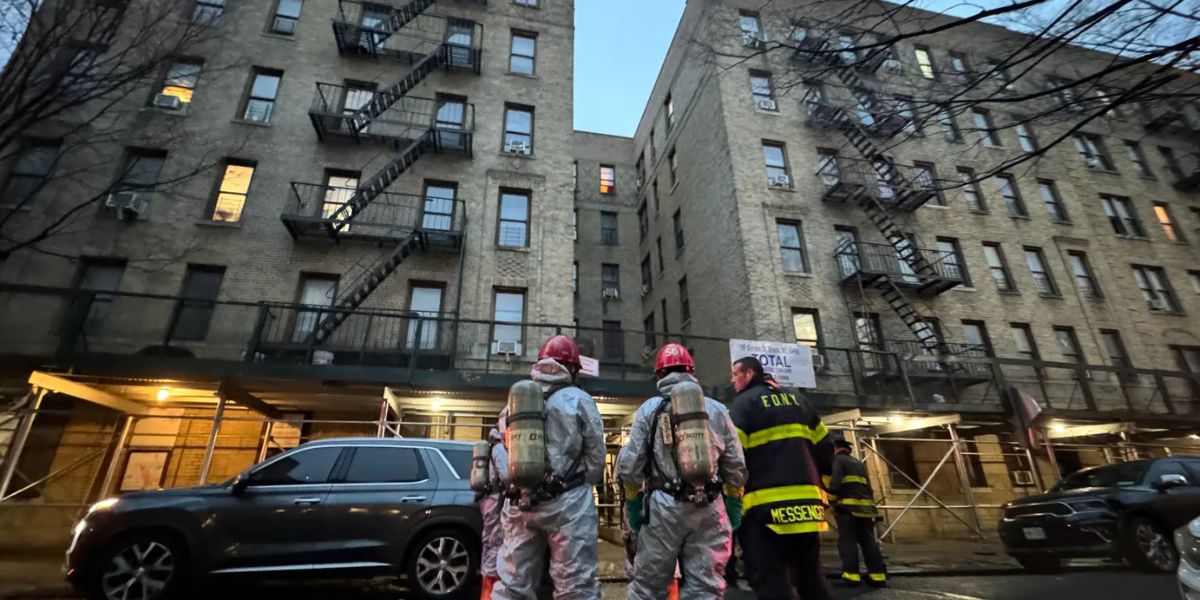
{"points": [[491, 505], [856, 516], [787, 450], [684, 452], [556, 456]]}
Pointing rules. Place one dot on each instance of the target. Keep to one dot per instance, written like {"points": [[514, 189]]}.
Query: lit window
{"points": [[608, 179], [232, 193], [180, 82], [925, 62], [1168, 223], [806, 327]]}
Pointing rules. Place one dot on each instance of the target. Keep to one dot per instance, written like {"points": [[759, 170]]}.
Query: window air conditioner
{"points": [[1022, 477], [1091, 162], [510, 347], [751, 40], [892, 65], [1157, 304], [766, 104], [127, 205], [168, 101], [645, 290], [517, 147], [610, 293], [780, 181], [818, 361]]}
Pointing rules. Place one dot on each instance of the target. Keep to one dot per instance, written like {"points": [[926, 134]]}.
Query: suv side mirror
{"points": [[1170, 480], [239, 485]]}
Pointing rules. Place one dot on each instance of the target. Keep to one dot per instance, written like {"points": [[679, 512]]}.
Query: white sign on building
{"points": [[790, 364]]}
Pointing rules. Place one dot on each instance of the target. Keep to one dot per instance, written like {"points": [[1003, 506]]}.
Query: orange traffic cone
{"points": [[485, 592], [673, 590]]}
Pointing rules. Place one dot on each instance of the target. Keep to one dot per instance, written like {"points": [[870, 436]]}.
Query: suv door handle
{"points": [[412, 499], [306, 501]]}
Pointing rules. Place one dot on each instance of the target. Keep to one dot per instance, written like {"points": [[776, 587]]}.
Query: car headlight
{"points": [[1087, 505], [102, 505]]}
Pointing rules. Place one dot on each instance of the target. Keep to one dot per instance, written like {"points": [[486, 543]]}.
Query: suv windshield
{"points": [[1122, 475]]}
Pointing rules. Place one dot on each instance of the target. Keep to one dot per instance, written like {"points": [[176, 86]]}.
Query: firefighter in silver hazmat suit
{"points": [[697, 535], [567, 525], [492, 505]]}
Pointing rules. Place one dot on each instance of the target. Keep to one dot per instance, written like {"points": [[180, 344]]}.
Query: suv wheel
{"points": [[145, 566], [1148, 548], [442, 565], [1040, 563]]}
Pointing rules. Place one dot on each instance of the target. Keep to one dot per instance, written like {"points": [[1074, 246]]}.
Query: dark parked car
{"points": [[1123, 511], [342, 507]]}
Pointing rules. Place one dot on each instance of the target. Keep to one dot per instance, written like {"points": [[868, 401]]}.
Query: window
{"points": [[763, 90], [658, 243], [647, 280], [1043, 280], [791, 247], [208, 12], [653, 149], [575, 278], [1053, 203], [654, 194], [925, 178], [925, 62], [1012, 198], [385, 465], [1194, 276], [900, 455], [508, 312], [806, 327], [950, 257], [317, 291], [828, 168], [514, 219], [1165, 219], [438, 211], [669, 112], [970, 189], [1106, 98], [424, 301], [1068, 344], [975, 334], [663, 307], [523, 53], [287, 16], [260, 98], [141, 170], [610, 276], [995, 260], [1023, 339], [673, 165], [1091, 149], [180, 82], [776, 163], [1171, 161], [999, 75], [29, 173], [197, 302], [750, 26], [959, 63], [685, 306], [908, 112], [1157, 291], [1138, 158], [648, 326], [614, 340], [983, 124], [1025, 137], [99, 276], [1117, 356], [1121, 216], [608, 179], [608, 228], [1066, 93], [1082, 271], [948, 124], [640, 169], [643, 222], [307, 466], [529, 3], [677, 227], [518, 129], [232, 191]]}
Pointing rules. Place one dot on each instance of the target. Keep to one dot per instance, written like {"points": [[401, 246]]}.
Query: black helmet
{"points": [[840, 442]]}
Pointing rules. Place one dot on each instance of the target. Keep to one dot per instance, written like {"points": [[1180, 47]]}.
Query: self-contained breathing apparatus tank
{"points": [[527, 435], [481, 462], [692, 442]]}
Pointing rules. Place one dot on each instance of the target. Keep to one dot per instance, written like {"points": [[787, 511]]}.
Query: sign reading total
{"points": [[790, 364]]}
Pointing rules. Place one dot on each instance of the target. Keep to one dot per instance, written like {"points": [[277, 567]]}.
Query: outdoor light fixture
{"points": [[437, 404], [1059, 428], [1194, 437], [163, 394]]}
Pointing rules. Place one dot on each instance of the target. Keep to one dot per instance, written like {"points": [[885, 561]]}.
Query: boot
{"points": [[673, 590], [485, 591]]}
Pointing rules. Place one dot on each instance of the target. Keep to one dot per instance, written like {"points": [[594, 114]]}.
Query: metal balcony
{"points": [[965, 364], [1189, 182], [388, 218], [405, 33], [334, 107], [867, 264], [1167, 118], [842, 179], [876, 121]]}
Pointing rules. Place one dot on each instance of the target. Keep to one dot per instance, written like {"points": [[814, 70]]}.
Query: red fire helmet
{"points": [[562, 349], [674, 355]]}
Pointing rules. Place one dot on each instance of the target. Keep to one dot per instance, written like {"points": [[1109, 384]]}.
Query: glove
{"points": [[733, 507], [633, 511]]}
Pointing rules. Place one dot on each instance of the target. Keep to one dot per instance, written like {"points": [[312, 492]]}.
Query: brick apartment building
{"points": [[399, 213]]}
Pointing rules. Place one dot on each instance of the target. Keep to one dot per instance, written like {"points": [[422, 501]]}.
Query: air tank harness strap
{"points": [[555, 485], [656, 479], [686, 493]]}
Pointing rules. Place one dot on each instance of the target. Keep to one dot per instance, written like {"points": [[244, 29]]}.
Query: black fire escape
{"points": [[413, 127]]}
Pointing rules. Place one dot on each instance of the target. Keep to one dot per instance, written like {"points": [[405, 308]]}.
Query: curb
{"points": [[964, 572], [64, 591]]}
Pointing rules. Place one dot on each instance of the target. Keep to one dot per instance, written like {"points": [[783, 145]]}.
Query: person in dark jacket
{"points": [[856, 515], [787, 450]]}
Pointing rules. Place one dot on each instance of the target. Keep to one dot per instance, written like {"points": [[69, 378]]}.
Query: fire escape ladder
{"points": [[387, 97], [366, 283], [904, 309], [400, 17], [379, 182], [879, 215]]}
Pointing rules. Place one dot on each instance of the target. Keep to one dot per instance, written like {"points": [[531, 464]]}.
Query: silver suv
{"points": [[359, 507]]}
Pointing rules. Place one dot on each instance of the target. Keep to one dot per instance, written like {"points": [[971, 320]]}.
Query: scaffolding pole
{"points": [[265, 446], [20, 437], [124, 430], [964, 478], [212, 439]]}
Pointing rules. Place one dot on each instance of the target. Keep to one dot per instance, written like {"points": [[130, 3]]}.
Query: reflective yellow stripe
{"points": [[742, 437], [811, 527], [825, 480], [856, 502], [854, 479], [855, 577], [785, 432], [877, 576], [865, 515], [781, 494]]}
